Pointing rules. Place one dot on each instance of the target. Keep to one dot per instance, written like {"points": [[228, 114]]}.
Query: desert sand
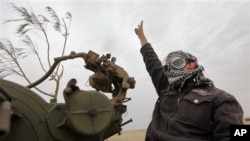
{"points": [[132, 135]]}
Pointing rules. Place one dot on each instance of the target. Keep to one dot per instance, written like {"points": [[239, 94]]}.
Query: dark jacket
{"points": [[197, 113]]}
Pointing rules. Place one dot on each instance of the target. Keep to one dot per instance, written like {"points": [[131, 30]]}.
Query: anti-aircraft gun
{"points": [[85, 115]]}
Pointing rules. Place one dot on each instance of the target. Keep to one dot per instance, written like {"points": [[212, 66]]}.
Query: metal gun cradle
{"points": [[85, 115]]}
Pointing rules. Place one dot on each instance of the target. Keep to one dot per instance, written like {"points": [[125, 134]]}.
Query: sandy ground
{"points": [[133, 135]]}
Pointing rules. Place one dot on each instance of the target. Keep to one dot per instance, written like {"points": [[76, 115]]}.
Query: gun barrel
{"points": [[57, 60]]}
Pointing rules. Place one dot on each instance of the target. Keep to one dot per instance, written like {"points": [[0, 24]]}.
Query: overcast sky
{"points": [[216, 32]]}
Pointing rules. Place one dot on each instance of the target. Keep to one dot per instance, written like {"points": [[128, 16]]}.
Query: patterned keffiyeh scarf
{"points": [[180, 76]]}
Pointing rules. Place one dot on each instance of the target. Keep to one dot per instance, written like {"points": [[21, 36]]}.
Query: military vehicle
{"points": [[85, 115]]}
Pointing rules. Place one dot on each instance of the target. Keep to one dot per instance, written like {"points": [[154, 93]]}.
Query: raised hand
{"points": [[140, 33]]}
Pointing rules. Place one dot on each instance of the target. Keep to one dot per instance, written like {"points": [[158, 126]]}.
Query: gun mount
{"points": [[85, 115]]}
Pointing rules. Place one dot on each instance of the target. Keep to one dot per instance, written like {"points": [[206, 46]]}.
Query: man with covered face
{"points": [[189, 106]]}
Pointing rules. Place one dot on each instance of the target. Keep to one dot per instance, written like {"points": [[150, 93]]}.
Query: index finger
{"points": [[141, 23]]}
